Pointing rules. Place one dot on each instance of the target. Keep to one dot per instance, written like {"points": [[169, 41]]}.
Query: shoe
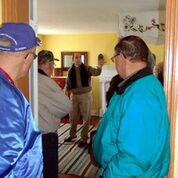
{"points": [[82, 144], [69, 139]]}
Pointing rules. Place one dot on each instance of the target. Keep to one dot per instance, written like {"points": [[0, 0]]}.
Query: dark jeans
{"points": [[50, 155]]}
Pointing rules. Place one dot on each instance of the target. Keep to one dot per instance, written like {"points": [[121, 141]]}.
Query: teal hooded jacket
{"points": [[133, 137]]}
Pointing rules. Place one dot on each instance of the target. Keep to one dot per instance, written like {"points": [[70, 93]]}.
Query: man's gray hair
{"points": [[4, 43], [7, 43]]}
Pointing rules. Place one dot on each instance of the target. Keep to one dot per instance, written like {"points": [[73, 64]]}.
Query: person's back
{"points": [[21, 139], [21, 148], [133, 138], [149, 132], [53, 105]]}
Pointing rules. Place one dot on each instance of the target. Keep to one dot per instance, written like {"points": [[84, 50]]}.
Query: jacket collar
{"points": [[6, 75], [136, 76], [42, 72]]}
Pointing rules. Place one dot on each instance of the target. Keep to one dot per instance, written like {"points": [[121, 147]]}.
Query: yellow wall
{"points": [[94, 44], [158, 50], [42, 39]]}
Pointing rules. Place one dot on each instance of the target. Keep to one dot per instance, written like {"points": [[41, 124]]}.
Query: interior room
{"points": [[95, 27], [92, 28], [81, 33]]}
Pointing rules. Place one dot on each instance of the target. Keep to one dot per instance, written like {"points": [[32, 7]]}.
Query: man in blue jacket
{"points": [[133, 138], [20, 140]]}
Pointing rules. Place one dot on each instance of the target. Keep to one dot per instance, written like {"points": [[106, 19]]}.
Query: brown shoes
{"points": [[82, 144], [69, 139]]}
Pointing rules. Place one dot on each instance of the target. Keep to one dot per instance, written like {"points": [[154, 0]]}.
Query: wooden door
{"points": [[17, 11], [171, 72]]}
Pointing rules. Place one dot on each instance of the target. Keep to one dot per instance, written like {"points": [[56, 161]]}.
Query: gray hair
{"points": [[7, 43]]}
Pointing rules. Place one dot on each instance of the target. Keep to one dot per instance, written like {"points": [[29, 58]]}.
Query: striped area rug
{"points": [[72, 159]]}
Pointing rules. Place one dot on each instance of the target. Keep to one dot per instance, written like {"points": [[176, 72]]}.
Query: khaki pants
{"points": [[81, 105]]}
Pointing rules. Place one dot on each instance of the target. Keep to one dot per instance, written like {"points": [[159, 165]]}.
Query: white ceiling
{"points": [[87, 16]]}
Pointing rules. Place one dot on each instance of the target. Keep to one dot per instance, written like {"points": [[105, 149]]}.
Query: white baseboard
{"points": [[94, 113]]}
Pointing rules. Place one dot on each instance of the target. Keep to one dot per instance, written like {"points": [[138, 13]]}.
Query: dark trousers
{"points": [[50, 155]]}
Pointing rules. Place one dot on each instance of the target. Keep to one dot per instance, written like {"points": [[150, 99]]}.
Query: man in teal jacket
{"points": [[133, 138]]}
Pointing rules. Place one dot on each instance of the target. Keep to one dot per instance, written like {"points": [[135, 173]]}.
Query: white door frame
{"points": [[33, 74]]}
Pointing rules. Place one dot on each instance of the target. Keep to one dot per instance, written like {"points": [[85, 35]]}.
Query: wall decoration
{"points": [[148, 25], [129, 25]]}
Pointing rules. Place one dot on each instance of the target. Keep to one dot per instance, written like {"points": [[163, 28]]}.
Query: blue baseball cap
{"points": [[20, 35]]}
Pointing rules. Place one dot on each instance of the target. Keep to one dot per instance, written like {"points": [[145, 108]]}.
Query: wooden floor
{"points": [[94, 122]]}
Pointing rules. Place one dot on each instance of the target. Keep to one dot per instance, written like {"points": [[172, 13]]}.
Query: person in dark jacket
{"points": [[79, 85], [115, 81], [159, 72]]}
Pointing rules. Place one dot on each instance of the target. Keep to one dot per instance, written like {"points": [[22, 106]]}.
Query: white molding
{"points": [[33, 74], [94, 113], [104, 79]]}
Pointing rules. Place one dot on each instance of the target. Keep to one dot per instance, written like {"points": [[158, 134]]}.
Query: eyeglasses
{"points": [[34, 55], [113, 58]]}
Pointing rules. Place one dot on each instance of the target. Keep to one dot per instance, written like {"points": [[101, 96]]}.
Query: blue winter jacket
{"points": [[20, 140], [133, 138]]}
